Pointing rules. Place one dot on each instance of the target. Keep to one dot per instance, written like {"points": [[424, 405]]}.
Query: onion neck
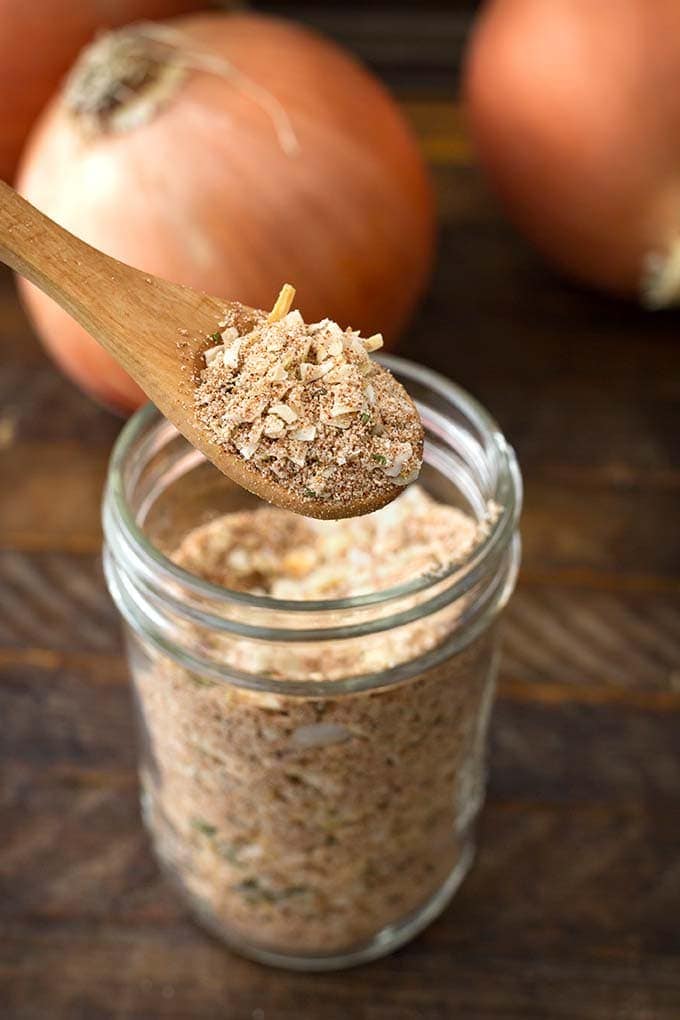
{"points": [[121, 81]]}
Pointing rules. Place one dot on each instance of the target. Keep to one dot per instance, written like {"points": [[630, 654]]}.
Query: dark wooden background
{"points": [[573, 908], [416, 45]]}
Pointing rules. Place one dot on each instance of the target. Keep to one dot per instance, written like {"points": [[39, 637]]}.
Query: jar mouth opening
{"points": [[507, 495]]}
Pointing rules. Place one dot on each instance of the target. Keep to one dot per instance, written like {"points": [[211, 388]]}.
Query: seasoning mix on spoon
{"points": [[307, 407]]}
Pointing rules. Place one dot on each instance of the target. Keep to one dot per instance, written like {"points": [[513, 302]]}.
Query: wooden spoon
{"points": [[157, 330]]}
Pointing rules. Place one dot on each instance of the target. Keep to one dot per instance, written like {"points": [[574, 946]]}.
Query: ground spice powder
{"points": [[305, 825], [307, 406]]}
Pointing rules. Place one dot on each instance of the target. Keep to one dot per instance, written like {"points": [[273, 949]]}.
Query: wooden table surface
{"points": [[573, 907]]}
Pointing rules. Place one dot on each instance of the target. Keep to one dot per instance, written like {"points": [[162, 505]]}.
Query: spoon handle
{"points": [[82, 280]]}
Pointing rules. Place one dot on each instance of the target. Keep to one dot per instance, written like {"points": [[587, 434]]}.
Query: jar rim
{"points": [[507, 496]]}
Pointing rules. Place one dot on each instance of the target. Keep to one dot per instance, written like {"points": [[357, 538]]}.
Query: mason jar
{"points": [[311, 771]]}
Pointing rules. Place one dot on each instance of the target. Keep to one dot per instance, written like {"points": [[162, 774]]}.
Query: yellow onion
{"points": [[575, 111], [231, 153]]}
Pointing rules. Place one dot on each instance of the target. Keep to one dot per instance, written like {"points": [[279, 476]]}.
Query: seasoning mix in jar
{"points": [[313, 696]]}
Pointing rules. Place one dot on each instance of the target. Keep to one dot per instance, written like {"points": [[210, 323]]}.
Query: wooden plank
{"points": [[617, 532], [51, 496], [552, 940], [17, 338], [40, 403], [421, 53], [173, 972], [64, 717], [578, 637], [54, 505], [57, 602], [76, 715], [439, 124], [494, 306], [55, 610], [567, 870]]}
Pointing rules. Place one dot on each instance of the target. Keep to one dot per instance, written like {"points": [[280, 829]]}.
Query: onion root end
{"points": [[660, 287]]}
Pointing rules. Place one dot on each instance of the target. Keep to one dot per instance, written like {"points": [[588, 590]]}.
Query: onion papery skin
{"points": [[39, 40]]}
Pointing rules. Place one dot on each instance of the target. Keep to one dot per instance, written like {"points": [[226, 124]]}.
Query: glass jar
{"points": [[311, 771]]}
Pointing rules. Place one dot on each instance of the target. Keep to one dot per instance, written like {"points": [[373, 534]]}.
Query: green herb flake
{"points": [[378, 458], [230, 853], [201, 681], [205, 827], [217, 337], [254, 892], [295, 890], [365, 418], [310, 493]]}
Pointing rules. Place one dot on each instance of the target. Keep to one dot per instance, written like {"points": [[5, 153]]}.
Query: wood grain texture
{"points": [[572, 908], [415, 47], [549, 901]]}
